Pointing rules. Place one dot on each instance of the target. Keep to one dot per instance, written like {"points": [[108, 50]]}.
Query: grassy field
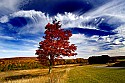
{"points": [[77, 74], [34, 76], [91, 74]]}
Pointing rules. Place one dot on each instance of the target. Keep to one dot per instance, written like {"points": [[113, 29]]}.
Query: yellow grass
{"points": [[58, 75]]}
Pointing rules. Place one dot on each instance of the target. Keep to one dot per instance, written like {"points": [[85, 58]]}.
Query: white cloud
{"points": [[28, 40], [24, 52], [117, 41], [10, 4], [6, 37], [38, 20], [23, 40], [12, 51], [73, 20], [114, 52], [113, 7], [4, 19], [84, 48], [16, 53], [77, 38], [121, 30]]}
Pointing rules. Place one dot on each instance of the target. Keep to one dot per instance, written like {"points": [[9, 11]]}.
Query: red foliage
{"points": [[55, 44]]}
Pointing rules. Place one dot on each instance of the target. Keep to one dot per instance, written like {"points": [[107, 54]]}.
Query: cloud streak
{"points": [[94, 32]]}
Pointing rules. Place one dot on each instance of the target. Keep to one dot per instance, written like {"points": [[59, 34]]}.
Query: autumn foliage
{"points": [[55, 44], [19, 63], [23, 63]]}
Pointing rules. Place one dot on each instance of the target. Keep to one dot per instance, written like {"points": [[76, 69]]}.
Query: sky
{"points": [[98, 26]]}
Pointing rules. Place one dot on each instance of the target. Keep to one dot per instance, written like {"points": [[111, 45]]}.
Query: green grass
{"points": [[90, 74]]}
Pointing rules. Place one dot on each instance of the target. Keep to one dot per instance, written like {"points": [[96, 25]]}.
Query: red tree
{"points": [[55, 44]]}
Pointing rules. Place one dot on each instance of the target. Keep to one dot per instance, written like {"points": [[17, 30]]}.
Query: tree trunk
{"points": [[51, 61], [50, 66]]}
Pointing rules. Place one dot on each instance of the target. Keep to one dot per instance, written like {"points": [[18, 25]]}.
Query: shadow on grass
{"points": [[26, 76]]}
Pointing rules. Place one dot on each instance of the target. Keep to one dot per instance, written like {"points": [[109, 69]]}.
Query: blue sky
{"points": [[98, 26]]}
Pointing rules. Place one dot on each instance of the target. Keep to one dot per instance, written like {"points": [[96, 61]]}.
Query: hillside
{"points": [[19, 63], [19, 58], [22, 63]]}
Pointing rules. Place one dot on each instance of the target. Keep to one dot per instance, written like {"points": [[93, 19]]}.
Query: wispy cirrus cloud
{"points": [[6, 37], [97, 31], [8, 6]]}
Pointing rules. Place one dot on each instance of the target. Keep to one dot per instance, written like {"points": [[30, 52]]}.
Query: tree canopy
{"points": [[55, 44]]}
